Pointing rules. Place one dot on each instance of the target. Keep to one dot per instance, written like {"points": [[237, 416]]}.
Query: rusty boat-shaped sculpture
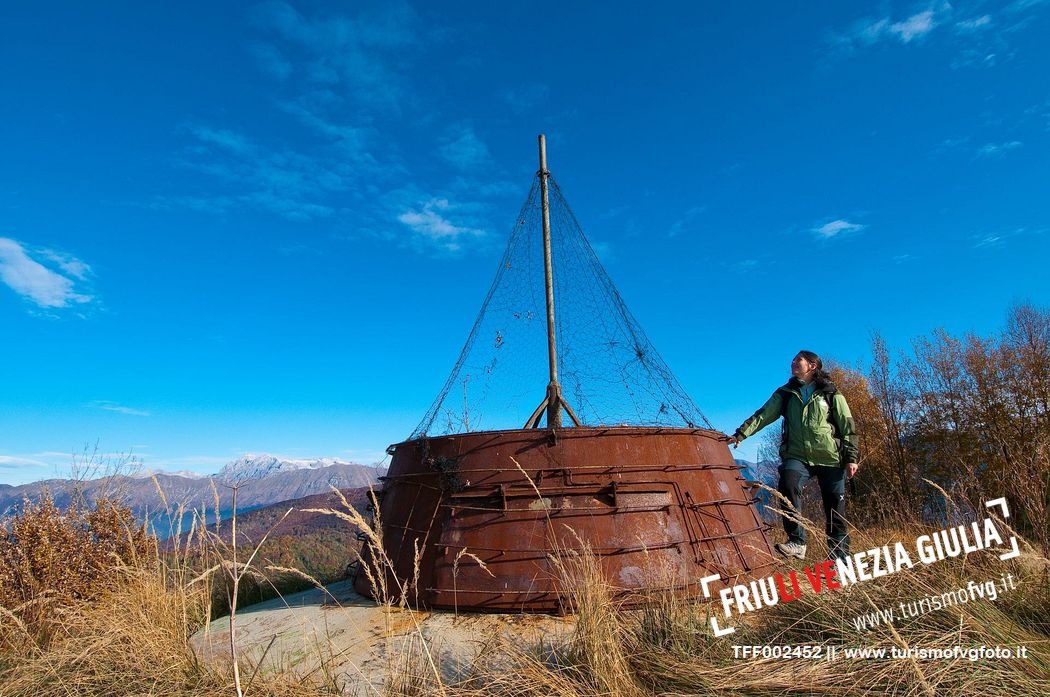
{"points": [[492, 520]]}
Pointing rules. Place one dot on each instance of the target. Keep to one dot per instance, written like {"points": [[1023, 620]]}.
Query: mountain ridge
{"points": [[170, 501]]}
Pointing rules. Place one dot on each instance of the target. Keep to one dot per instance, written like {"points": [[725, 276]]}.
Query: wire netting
{"points": [[610, 374]]}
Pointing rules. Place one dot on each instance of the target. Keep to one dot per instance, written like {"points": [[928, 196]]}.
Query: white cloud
{"points": [[996, 239], [11, 462], [914, 27], [118, 408], [969, 26], [70, 264], [432, 223], [837, 227], [976, 40], [869, 31], [998, 149], [46, 287]]}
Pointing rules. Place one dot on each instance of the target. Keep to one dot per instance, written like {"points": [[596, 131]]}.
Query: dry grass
{"points": [[707, 665], [89, 607], [132, 637], [51, 561], [134, 641], [666, 647]]}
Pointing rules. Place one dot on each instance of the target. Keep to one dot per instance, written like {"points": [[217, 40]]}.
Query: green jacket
{"points": [[808, 433]]}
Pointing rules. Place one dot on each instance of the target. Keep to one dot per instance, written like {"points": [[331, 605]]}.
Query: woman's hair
{"points": [[821, 379]]}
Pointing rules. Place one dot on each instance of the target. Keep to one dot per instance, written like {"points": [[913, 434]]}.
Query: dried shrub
{"points": [[51, 560]]}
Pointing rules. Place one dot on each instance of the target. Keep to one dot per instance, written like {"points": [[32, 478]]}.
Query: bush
{"points": [[50, 560]]}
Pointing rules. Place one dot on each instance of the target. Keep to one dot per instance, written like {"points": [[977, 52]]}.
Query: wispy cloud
{"points": [[462, 148], [51, 454], [346, 80], [44, 277], [432, 223], [69, 264], [836, 228], [14, 462], [981, 40], [746, 264], [341, 73], [117, 408], [998, 239], [988, 241], [998, 149], [349, 51], [870, 31], [289, 183], [974, 24], [914, 27]]}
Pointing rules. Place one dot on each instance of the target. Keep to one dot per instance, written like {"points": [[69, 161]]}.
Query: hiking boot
{"points": [[791, 549]]}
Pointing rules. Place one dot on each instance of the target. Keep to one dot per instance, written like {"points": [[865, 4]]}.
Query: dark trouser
{"points": [[793, 475]]}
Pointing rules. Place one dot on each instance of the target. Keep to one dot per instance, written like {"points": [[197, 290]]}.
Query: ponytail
{"points": [[821, 379]]}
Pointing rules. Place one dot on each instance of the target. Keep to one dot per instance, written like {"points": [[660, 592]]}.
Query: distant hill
{"points": [[253, 525], [319, 545], [168, 500], [766, 473]]}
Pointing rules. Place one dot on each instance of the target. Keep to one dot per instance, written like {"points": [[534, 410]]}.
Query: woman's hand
{"points": [[851, 469]]}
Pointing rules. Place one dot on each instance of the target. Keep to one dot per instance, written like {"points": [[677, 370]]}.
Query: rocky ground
{"points": [[338, 634]]}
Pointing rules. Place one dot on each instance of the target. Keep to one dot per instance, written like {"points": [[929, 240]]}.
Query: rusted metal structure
{"points": [[486, 520], [659, 508]]}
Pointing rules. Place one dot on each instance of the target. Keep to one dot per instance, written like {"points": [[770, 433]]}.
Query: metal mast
{"points": [[553, 403]]}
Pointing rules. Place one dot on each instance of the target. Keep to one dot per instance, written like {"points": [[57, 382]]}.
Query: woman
{"points": [[819, 441]]}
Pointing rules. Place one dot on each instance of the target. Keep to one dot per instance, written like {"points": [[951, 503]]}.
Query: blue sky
{"points": [[268, 227]]}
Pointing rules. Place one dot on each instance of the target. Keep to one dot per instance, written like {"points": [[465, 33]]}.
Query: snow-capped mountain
{"points": [[147, 473], [252, 466], [261, 480]]}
